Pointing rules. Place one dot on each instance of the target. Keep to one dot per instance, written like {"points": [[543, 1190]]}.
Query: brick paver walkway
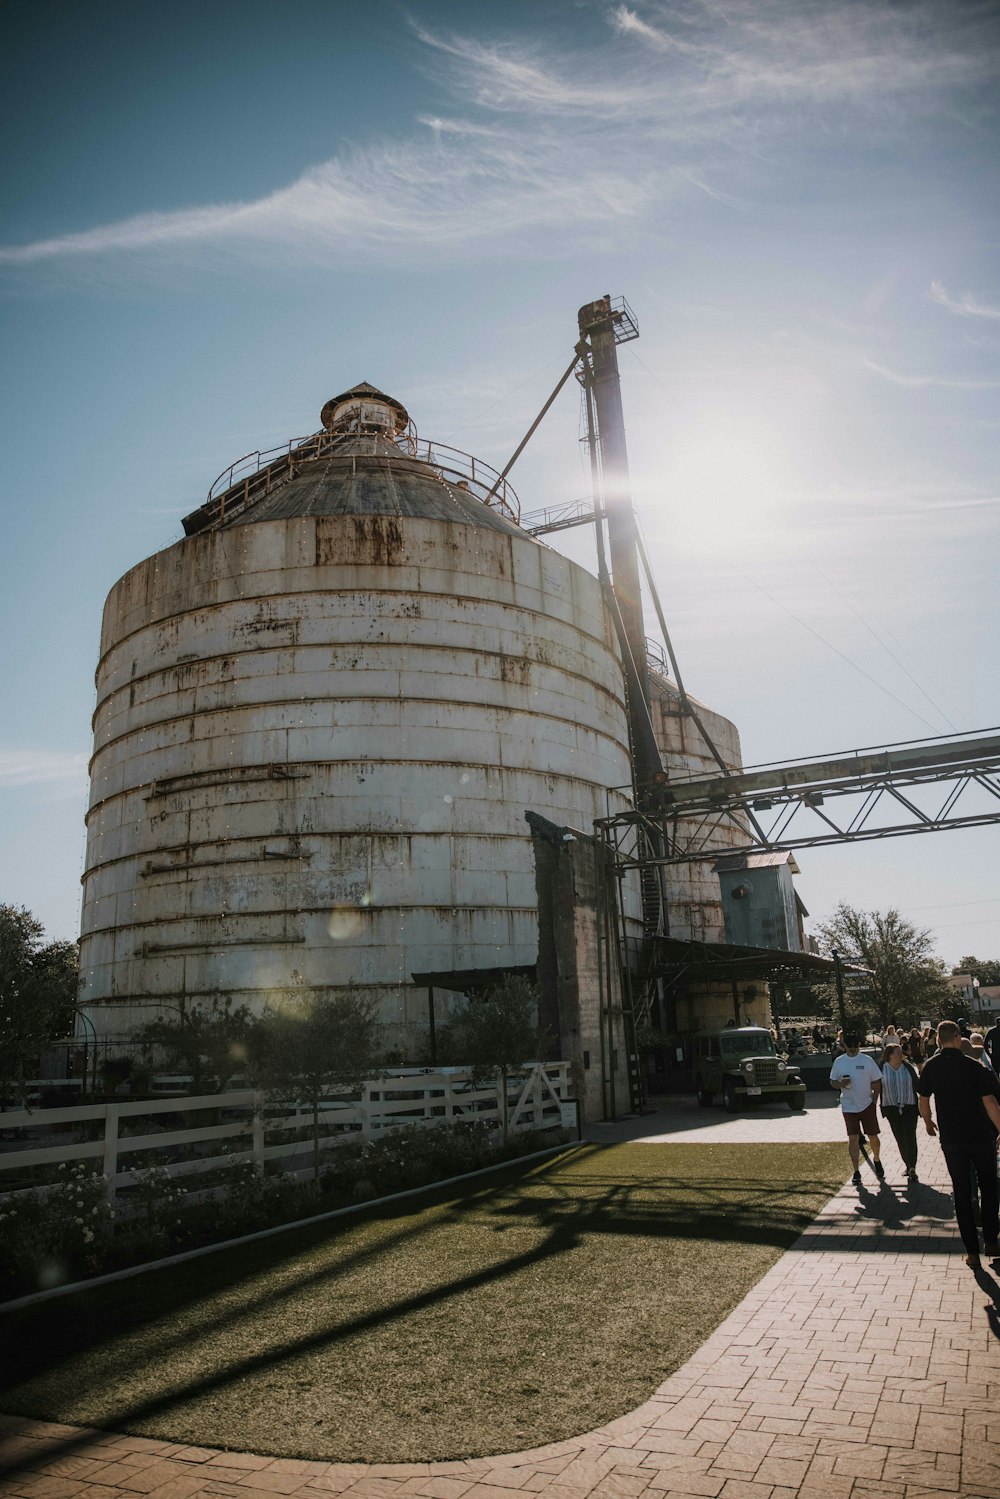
{"points": [[865, 1365]]}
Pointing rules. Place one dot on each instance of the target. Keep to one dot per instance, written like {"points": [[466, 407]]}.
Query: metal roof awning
{"points": [[674, 959], [763, 859], [467, 980]]}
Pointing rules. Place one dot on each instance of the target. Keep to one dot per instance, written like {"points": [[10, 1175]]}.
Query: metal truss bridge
{"points": [[921, 786]]}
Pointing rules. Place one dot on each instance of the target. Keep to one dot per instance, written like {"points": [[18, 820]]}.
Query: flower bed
{"points": [[68, 1231]]}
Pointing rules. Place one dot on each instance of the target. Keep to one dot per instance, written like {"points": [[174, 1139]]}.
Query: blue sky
{"points": [[217, 216]]}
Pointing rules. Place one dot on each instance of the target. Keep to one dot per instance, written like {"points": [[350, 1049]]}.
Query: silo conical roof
{"points": [[365, 461], [372, 475]]}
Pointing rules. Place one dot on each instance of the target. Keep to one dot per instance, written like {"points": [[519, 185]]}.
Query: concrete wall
{"points": [[578, 979], [314, 743], [705, 1006]]}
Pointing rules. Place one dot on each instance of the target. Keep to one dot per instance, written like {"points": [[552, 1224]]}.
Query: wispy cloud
{"points": [[378, 201], [917, 382], [40, 767], [628, 23], [454, 127], [504, 77], [715, 193], [965, 306], [534, 141]]}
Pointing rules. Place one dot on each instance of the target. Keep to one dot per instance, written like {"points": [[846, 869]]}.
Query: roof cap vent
{"points": [[364, 409]]}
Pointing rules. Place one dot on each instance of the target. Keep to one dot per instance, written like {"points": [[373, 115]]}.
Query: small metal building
{"points": [[759, 901]]}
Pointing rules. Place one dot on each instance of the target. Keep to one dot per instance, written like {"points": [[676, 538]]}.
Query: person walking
{"points": [[916, 1048], [899, 1105], [860, 1082], [991, 1045], [968, 1117]]}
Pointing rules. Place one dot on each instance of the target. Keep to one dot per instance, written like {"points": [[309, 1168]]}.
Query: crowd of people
{"points": [[958, 1069]]}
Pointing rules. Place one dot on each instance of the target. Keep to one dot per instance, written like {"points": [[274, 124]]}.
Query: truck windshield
{"points": [[757, 1045]]}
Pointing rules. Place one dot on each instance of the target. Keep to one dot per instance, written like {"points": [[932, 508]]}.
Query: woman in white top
{"points": [[899, 1105]]}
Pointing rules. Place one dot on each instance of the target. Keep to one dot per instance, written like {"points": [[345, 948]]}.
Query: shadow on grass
{"points": [[563, 1204]]}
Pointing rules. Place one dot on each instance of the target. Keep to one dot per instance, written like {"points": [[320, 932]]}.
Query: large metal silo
{"points": [[320, 720]]}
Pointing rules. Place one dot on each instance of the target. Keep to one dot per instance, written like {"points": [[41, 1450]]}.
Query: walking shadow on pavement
{"points": [[899, 1207], [987, 1283], [915, 1219]]}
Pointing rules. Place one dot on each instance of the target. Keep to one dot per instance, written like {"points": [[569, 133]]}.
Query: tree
{"points": [[300, 1051], [209, 1043], [38, 984], [499, 1032], [903, 982], [986, 970]]}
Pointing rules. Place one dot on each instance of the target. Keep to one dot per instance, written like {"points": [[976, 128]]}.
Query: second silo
{"points": [[320, 720]]}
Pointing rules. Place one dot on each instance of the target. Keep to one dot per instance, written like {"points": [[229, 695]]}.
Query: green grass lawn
{"points": [[532, 1306]]}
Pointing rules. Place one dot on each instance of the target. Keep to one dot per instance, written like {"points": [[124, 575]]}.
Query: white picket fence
{"points": [[535, 1100]]}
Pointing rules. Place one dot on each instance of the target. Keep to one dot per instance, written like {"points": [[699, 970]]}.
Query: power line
{"points": [[879, 641], [828, 643], [919, 664], [948, 926], [506, 396], [950, 905]]}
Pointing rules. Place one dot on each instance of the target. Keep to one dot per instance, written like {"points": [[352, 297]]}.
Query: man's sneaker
{"points": [[879, 1170], [856, 1179]]}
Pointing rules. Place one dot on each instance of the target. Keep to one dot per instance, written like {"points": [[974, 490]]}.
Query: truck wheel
{"points": [[797, 1104], [704, 1096], [730, 1102]]}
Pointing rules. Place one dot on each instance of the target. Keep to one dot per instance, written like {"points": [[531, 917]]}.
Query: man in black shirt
{"points": [[968, 1116], [991, 1046]]}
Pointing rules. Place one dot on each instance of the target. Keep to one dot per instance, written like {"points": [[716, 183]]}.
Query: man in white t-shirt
{"points": [[859, 1083]]}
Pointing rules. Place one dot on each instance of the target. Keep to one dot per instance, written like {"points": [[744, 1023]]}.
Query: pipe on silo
{"points": [[597, 322]]}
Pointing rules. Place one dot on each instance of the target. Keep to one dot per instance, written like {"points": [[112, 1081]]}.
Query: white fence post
{"points": [[257, 1135], [409, 1101], [110, 1167]]}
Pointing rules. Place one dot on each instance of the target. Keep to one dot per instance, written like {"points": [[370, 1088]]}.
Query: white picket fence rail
{"points": [[535, 1099]]}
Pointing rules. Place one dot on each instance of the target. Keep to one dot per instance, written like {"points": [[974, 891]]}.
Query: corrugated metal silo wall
{"points": [[695, 902], [315, 741]]}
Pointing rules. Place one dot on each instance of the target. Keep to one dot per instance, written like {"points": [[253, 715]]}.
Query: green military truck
{"points": [[739, 1063]]}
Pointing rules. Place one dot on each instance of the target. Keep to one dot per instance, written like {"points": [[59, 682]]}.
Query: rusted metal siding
{"points": [[314, 744]]}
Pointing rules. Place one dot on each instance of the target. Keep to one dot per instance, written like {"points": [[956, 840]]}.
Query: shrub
{"points": [[415, 1155], [56, 1233], [68, 1232]]}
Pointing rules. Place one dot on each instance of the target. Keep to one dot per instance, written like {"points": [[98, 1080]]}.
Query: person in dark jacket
{"points": [[968, 1116], [899, 1105], [991, 1046]]}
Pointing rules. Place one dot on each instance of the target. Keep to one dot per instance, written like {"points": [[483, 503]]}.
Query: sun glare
{"points": [[725, 485]]}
